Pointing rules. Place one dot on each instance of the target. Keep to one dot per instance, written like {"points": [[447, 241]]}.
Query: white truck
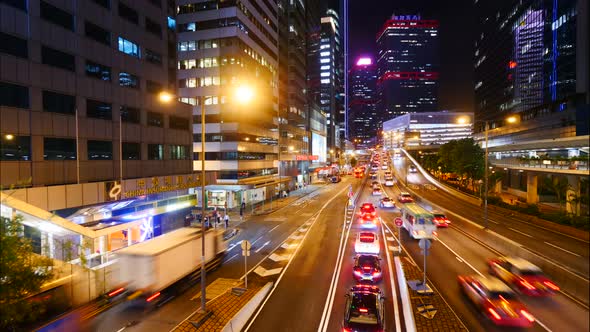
{"points": [[147, 268]]}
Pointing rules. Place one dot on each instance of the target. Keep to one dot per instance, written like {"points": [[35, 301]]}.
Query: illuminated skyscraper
{"points": [[531, 59], [407, 66], [363, 123]]}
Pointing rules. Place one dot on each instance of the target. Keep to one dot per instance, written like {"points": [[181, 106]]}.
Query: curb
{"points": [[405, 296], [240, 319]]}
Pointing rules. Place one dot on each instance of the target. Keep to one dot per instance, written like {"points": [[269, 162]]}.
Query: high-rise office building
{"points": [[83, 133], [296, 20], [224, 45], [407, 66], [326, 85], [362, 117], [531, 59]]}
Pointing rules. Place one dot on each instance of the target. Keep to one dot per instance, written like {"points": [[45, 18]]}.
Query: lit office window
{"points": [[129, 47]]}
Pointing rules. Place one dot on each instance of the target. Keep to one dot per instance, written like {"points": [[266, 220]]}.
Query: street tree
{"points": [[22, 273]]}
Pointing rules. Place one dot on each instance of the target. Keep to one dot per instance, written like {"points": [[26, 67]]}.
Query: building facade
{"points": [[363, 120], [327, 83], [407, 66], [531, 60], [427, 130], [85, 142], [224, 45]]}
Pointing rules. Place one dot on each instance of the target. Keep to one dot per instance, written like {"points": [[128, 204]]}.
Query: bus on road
{"points": [[418, 221]]}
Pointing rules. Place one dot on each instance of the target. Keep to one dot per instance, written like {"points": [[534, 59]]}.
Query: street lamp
{"points": [[464, 120]]}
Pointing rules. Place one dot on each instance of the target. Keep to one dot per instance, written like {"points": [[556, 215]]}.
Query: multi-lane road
{"points": [[318, 231]]}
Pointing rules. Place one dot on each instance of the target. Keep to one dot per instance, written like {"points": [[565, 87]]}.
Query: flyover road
{"points": [[571, 253], [265, 232], [310, 296], [457, 252]]}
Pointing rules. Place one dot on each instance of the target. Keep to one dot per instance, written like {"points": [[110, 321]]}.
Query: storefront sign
{"points": [[114, 190], [306, 157]]}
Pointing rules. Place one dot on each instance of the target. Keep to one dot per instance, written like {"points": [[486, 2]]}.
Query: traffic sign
{"points": [[246, 245], [424, 244], [245, 253], [398, 222]]}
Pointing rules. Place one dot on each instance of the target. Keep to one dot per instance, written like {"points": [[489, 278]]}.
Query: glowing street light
{"points": [[9, 137], [165, 97], [244, 94]]}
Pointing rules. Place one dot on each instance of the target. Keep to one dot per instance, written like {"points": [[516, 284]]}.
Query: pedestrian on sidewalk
{"points": [[242, 208], [226, 220]]}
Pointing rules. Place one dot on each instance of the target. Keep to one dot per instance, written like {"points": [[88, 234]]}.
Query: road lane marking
{"points": [[464, 261], [398, 326], [229, 259], [264, 245], [517, 231], [265, 273], [274, 228], [459, 259], [278, 258], [493, 221], [560, 248], [296, 237], [274, 287], [390, 238], [347, 225], [256, 240], [289, 245]]}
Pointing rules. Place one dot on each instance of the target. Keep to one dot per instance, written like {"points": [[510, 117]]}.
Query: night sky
{"points": [[456, 41]]}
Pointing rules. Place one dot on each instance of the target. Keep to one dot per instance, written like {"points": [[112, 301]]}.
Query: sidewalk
{"points": [[220, 310], [444, 318]]}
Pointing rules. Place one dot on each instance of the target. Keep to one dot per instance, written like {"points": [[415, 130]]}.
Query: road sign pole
{"points": [[425, 254], [246, 271]]}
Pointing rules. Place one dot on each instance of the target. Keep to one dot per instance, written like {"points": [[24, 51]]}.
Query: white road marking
{"points": [[398, 326], [390, 238], [517, 231], [542, 325], [264, 272], [278, 258], [336, 274], [493, 221], [392, 248], [459, 259], [264, 245], [256, 240], [289, 262], [229, 259], [303, 229], [464, 261], [560, 248], [289, 246], [231, 246], [273, 227], [296, 237]]}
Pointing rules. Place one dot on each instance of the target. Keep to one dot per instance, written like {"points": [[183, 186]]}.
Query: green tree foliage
{"points": [[353, 161], [22, 273], [557, 186], [464, 157]]}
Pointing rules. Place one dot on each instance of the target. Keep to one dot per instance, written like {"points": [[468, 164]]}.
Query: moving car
{"points": [[418, 221], [373, 175], [522, 275], [364, 310], [336, 179], [496, 300], [377, 191], [389, 182], [386, 202], [375, 184], [405, 197], [384, 167], [412, 169], [440, 220], [367, 268], [368, 216], [367, 243]]}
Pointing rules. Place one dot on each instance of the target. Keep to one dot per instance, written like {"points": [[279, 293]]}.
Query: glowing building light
{"points": [[364, 62]]}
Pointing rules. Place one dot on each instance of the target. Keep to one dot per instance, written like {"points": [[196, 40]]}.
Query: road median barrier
{"points": [[240, 319]]}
